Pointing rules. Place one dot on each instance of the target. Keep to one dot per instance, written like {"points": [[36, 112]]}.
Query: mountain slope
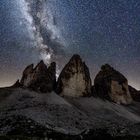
{"points": [[67, 115]]}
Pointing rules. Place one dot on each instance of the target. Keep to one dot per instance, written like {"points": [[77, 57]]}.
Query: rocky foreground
{"points": [[39, 106]]}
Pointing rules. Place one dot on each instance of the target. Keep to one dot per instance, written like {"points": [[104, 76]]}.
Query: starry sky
{"points": [[101, 31]]}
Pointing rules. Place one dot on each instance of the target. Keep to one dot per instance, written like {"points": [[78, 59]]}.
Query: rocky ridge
{"points": [[74, 81], [40, 78]]}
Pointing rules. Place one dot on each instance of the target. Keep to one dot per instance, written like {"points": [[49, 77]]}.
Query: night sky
{"points": [[101, 31]]}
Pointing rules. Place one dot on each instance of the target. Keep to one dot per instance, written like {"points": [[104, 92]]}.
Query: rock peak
{"points": [[106, 67], [74, 80], [41, 62], [40, 78], [29, 68], [76, 57], [53, 64], [112, 85], [41, 66], [109, 72]]}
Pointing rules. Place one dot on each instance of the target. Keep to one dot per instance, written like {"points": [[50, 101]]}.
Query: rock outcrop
{"points": [[112, 85], [135, 94], [40, 78], [74, 79]]}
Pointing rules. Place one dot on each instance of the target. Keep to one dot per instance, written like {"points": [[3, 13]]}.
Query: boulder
{"points": [[74, 80], [40, 78], [112, 85]]}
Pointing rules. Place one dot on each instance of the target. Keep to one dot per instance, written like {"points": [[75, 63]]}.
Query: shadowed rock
{"points": [[17, 84], [40, 78], [135, 94], [112, 85], [74, 79], [27, 76]]}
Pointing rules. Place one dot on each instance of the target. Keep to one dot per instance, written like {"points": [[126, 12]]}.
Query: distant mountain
{"points": [[70, 108]]}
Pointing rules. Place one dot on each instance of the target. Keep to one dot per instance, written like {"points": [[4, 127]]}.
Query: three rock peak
{"points": [[74, 81]]}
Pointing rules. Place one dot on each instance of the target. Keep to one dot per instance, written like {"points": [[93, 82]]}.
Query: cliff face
{"points": [[27, 76], [112, 85], [40, 78], [74, 79]]}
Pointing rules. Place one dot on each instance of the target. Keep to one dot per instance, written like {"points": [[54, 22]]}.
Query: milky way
{"points": [[53, 30], [43, 28]]}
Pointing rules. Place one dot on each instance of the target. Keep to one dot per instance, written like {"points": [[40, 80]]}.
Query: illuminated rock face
{"points": [[112, 85], [39, 78], [74, 79], [120, 92]]}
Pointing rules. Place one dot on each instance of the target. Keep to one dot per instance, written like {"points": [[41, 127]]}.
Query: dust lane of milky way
{"points": [[100, 31]]}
